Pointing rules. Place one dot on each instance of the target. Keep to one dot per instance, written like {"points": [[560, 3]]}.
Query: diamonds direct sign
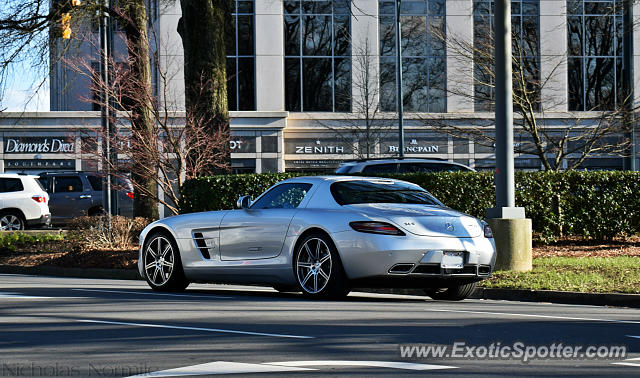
{"points": [[38, 145]]}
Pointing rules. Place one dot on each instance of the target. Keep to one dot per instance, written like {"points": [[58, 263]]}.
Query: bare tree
{"points": [[165, 152], [599, 131]]}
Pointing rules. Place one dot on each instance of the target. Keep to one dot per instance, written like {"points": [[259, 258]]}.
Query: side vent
{"points": [[202, 245]]}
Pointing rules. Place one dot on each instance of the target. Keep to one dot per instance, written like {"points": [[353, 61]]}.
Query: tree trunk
{"points": [[203, 27], [143, 120]]}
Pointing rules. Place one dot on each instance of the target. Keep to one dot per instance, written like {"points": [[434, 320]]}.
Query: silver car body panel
{"points": [[257, 245]]}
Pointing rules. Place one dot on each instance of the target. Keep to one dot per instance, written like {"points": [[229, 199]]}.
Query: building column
{"points": [[459, 29], [553, 55], [269, 55], [636, 53], [365, 50]]}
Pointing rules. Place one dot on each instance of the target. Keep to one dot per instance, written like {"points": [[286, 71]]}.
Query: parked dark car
{"points": [[400, 165], [74, 194]]}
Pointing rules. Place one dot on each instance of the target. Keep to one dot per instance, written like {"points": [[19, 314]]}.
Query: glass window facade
{"points": [[241, 58], [595, 31], [317, 47], [525, 28], [423, 55]]}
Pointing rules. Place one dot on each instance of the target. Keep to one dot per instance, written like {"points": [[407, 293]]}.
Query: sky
{"points": [[24, 90]]}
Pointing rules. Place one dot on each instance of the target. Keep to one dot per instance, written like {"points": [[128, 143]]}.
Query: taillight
{"points": [[487, 232], [376, 228], [40, 199], [130, 195]]}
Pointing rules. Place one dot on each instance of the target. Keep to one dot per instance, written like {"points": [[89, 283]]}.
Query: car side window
{"points": [[380, 168], [284, 196], [67, 184], [95, 182], [10, 185]]}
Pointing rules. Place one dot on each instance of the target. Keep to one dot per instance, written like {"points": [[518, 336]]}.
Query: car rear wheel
{"points": [[162, 264], [318, 268], [452, 293], [10, 221]]}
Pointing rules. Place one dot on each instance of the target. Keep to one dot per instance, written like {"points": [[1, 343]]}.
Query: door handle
{"points": [[85, 196]]}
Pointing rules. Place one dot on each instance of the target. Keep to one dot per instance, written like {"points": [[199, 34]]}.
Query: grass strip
{"points": [[619, 274]]}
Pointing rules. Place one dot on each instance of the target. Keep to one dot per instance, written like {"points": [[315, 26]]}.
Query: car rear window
{"points": [[40, 182], [384, 191], [11, 185]]}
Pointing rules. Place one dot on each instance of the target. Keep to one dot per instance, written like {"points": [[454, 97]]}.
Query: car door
{"points": [[259, 231], [68, 198]]}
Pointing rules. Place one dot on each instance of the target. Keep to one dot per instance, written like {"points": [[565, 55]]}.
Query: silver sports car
{"points": [[323, 236]]}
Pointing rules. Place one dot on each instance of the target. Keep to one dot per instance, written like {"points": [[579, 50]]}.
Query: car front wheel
{"points": [[162, 264], [452, 293], [318, 268]]}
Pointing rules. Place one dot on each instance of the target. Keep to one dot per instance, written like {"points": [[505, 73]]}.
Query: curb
{"points": [[563, 297]]}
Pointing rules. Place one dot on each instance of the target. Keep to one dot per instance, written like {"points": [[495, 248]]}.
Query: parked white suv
{"points": [[23, 202]]}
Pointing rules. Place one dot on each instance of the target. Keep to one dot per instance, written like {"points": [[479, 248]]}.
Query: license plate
{"points": [[452, 260]]}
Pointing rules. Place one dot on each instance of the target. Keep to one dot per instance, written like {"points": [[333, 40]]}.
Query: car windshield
{"points": [[383, 191]]}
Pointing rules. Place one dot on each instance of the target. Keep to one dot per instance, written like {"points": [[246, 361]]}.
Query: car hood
{"points": [[424, 220]]}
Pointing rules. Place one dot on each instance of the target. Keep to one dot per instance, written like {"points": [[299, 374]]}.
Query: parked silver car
{"points": [[322, 236]]}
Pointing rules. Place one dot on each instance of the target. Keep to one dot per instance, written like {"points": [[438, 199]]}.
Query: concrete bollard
{"points": [[513, 243]]}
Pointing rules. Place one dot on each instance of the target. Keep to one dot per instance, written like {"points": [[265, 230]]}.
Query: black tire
{"points": [[452, 293], [317, 259], [165, 272], [11, 221], [96, 211]]}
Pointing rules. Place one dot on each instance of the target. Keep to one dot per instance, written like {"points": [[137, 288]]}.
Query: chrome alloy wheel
{"points": [[159, 259], [10, 222], [313, 266]]}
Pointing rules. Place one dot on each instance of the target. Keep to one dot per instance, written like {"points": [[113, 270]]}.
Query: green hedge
{"points": [[592, 204]]}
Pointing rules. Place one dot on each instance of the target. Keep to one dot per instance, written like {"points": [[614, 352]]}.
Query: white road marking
{"points": [[152, 293], [21, 296], [220, 367], [223, 367], [626, 364], [194, 329], [635, 337], [382, 364], [535, 316]]}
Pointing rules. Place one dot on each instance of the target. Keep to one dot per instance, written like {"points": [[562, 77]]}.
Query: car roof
{"points": [[16, 175], [335, 178]]}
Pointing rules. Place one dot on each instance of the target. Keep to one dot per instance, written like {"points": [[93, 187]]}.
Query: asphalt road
{"points": [[87, 327]]}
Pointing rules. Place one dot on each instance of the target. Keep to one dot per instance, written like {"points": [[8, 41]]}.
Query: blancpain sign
{"points": [[37, 145]]}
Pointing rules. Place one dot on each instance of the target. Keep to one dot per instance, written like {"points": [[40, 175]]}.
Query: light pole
{"points": [[399, 80], [106, 46], [511, 230]]}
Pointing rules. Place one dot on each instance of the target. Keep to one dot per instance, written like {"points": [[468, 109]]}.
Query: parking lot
{"points": [[89, 327]]}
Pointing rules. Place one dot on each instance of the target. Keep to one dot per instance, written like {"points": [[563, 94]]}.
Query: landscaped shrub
{"points": [[16, 239], [591, 204], [92, 232]]}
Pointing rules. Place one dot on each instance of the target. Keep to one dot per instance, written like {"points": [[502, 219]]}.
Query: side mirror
{"points": [[243, 202]]}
